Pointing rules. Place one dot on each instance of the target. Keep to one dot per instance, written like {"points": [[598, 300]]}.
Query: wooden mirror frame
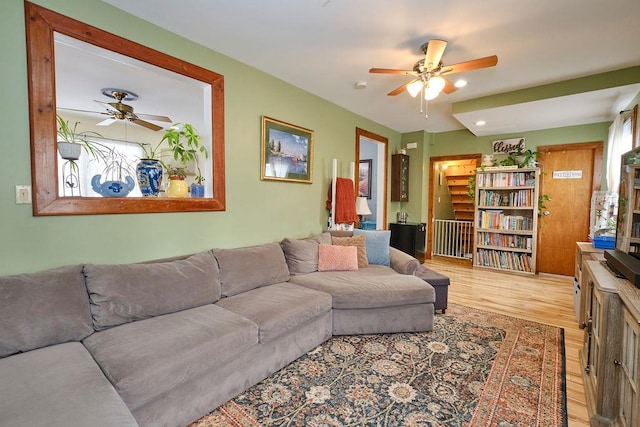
{"points": [[41, 24]]}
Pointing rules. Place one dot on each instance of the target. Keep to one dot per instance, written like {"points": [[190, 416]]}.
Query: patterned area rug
{"points": [[475, 369]]}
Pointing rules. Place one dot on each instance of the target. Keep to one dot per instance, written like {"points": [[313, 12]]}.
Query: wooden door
{"points": [[570, 174]]}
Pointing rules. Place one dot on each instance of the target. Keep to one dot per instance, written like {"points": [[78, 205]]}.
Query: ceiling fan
{"points": [[428, 72], [120, 111]]}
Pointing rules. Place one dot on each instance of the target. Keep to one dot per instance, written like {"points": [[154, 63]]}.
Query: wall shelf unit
{"points": [[399, 178], [506, 219]]}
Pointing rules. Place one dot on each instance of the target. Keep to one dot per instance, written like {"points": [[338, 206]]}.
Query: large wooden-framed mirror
{"points": [[49, 33]]}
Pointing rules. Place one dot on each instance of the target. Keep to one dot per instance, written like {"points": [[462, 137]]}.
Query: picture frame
{"points": [[286, 152], [364, 178]]}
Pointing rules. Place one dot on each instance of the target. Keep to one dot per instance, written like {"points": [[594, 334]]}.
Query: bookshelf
{"points": [[506, 219]]}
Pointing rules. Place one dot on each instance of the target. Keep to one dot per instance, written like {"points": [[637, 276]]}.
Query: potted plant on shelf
{"points": [[184, 143], [521, 158], [117, 170], [197, 188], [149, 170], [71, 141], [177, 184]]}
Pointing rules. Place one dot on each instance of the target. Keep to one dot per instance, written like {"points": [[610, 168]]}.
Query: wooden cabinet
{"points": [[610, 356], [629, 376], [629, 365], [584, 251], [409, 238], [399, 178], [506, 219]]}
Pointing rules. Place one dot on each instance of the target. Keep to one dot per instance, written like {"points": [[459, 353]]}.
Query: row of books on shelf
{"points": [[505, 240], [505, 260], [505, 179], [498, 220], [519, 198]]}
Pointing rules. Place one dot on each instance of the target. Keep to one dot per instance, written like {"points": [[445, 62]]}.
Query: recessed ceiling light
{"points": [[460, 83], [481, 123]]}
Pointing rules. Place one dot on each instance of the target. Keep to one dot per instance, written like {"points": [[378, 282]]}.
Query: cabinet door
{"points": [[629, 378], [399, 178], [596, 335]]}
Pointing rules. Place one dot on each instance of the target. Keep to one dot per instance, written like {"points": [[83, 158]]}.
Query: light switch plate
{"points": [[23, 194]]}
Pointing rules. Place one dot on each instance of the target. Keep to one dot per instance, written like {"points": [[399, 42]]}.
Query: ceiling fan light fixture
{"points": [[437, 83], [414, 88], [431, 93]]}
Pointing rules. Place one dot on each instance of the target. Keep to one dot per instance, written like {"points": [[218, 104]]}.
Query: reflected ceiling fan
{"points": [[120, 111], [428, 72]]}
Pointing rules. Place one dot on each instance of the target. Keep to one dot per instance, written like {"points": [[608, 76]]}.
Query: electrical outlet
{"points": [[23, 194]]}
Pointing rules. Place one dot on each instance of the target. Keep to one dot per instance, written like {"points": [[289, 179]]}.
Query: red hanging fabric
{"points": [[345, 202]]}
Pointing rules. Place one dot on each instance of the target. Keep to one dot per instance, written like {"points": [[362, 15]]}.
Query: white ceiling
{"points": [[326, 46]]}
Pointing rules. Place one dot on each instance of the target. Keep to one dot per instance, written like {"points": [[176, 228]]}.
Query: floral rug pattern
{"points": [[475, 369]]}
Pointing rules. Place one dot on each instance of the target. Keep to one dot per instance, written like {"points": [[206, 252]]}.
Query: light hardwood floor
{"points": [[541, 298]]}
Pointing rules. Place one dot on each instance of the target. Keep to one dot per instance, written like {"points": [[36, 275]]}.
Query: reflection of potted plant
{"points": [[177, 185], [183, 141], [149, 170], [70, 141], [197, 188], [117, 170]]}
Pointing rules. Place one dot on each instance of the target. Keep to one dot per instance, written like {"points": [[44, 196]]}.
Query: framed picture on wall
{"points": [[364, 178], [286, 152]]}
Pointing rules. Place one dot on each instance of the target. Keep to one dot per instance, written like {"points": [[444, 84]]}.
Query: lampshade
{"points": [[437, 83], [434, 87], [414, 88], [430, 93], [362, 208]]}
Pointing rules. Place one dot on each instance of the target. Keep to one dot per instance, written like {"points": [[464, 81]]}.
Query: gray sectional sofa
{"points": [[165, 342]]}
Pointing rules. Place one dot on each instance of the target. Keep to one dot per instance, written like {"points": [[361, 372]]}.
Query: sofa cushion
{"points": [[146, 358], [44, 308], [370, 287], [377, 243], [357, 241], [337, 258], [278, 308], [243, 269], [302, 254], [122, 293], [60, 386]]}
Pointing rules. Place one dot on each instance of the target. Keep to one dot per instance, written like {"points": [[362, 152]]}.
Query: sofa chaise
{"points": [[163, 343]]}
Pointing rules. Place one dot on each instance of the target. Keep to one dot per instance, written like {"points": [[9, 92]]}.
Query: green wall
{"points": [[257, 211]]}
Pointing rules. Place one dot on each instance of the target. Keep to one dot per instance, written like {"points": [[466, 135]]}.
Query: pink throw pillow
{"points": [[337, 258]]}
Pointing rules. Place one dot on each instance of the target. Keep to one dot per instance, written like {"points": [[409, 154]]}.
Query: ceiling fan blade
{"points": [[449, 87], [399, 90], [145, 124], [390, 71], [435, 49], [84, 111], [474, 64], [154, 117], [106, 122], [106, 104]]}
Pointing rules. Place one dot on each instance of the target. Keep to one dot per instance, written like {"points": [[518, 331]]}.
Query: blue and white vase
{"points": [[149, 172]]}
